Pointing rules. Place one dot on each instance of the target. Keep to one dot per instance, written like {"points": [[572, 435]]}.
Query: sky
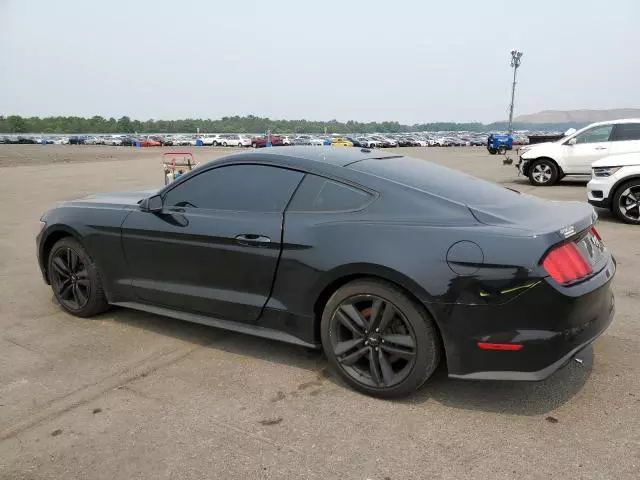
{"points": [[410, 61]]}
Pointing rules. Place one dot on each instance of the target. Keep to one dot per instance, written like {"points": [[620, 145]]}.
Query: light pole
{"points": [[516, 55]]}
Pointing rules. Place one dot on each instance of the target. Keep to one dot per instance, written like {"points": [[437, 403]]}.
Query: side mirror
{"points": [[151, 204], [573, 141]]}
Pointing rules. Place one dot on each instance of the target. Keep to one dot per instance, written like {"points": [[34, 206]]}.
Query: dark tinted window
{"points": [[249, 188], [317, 194], [626, 131], [438, 180]]}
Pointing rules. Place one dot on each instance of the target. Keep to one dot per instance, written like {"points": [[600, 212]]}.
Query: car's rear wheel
{"points": [[75, 280], [379, 340], [502, 150], [254, 145], [493, 151], [543, 172], [626, 202]]}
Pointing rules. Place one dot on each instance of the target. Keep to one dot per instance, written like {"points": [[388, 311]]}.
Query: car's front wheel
{"points": [[543, 172], [75, 280], [378, 339], [626, 202]]}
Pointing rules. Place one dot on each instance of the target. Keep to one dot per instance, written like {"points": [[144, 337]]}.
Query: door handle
{"points": [[253, 240], [601, 148]]}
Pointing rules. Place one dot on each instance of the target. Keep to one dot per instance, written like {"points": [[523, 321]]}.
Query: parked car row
{"points": [[380, 140]]}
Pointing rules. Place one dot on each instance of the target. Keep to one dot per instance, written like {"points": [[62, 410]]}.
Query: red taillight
{"points": [[566, 264], [595, 232], [500, 346]]}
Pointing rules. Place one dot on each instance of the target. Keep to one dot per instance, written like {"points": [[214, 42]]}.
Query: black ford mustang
{"points": [[387, 262]]}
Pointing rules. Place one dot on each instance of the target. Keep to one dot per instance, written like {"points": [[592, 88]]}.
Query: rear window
{"points": [[438, 180]]}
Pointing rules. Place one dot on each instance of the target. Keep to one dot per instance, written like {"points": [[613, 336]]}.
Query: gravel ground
{"points": [[132, 395]]}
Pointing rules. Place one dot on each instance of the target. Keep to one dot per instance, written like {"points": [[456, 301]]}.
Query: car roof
{"points": [[614, 122], [340, 157]]}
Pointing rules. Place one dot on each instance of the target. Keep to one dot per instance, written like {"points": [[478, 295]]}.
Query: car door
{"points": [[625, 138], [214, 247], [313, 227], [585, 148]]}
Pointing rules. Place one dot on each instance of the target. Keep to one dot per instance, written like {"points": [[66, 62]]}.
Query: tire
{"points": [[493, 151], [224, 144], [405, 353], [502, 150], [82, 294], [254, 145], [632, 214], [543, 173]]}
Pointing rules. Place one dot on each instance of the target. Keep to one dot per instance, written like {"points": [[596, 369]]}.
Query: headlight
{"points": [[604, 171]]}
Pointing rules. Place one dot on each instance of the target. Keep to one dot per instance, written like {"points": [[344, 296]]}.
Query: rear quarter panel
{"points": [[320, 250]]}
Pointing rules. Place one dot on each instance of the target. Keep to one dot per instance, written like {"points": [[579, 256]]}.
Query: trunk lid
{"points": [[537, 216]]}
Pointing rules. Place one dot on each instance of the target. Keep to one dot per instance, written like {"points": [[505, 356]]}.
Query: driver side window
{"points": [[241, 188], [595, 135]]}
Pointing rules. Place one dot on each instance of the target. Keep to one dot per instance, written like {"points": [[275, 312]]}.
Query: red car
{"points": [[259, 142], [148, 142]]}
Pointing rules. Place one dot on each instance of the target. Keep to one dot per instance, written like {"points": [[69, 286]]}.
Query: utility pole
{"points": [[516, 55]]}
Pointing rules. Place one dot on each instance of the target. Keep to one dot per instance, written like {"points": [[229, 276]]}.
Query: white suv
{"points": [[615, 184], [546, 163]]}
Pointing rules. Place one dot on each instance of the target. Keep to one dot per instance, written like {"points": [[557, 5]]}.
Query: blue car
{"points": [[499, 143]]}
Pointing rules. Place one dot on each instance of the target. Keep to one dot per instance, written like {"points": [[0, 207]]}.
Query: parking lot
{"points": [[132, 395]]}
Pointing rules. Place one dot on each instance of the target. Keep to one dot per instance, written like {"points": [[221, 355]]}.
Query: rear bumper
{"points": [[552, 324]]}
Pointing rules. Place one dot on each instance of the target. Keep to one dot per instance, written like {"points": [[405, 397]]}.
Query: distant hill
{"points": [[578, 116]]}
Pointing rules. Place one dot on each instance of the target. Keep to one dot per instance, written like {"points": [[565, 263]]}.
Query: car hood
{"points": [[116, 199], [540, 149], [625, 160]]}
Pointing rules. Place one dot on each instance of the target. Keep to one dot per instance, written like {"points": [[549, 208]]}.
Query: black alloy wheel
{"points": [[70, 279], [626, 202], [374, 342], [75, 280], [378, 340]]}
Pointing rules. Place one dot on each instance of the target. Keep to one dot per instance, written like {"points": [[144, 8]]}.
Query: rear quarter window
{"points": [[318, 194]]}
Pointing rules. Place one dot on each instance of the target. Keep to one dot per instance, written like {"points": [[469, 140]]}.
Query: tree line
{"points": [[249, 124]]}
